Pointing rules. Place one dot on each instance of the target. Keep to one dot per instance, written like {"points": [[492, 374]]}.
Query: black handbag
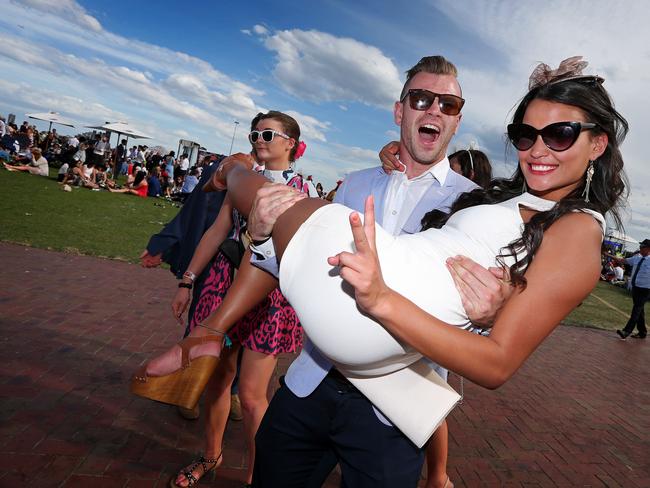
{"points": [[233, 250]]}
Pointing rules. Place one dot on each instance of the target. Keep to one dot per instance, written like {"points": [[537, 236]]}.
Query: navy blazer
{"points": [[177, 241]]}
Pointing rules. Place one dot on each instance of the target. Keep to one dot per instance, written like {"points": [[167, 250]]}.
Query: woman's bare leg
{"points": [[250, 286], [217, 407], [436, 458], [254, 377]]}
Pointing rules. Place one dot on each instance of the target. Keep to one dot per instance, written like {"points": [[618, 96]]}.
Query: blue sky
{"points": [[188, 70]]}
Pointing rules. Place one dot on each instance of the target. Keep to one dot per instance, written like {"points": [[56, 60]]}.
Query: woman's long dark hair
{"points": [[608, 186], [140, 175]]}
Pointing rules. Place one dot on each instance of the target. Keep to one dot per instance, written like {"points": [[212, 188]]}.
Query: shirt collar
{"points": [[439, 171]]}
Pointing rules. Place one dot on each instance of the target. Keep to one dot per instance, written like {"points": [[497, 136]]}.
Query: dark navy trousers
{"points": [[300, 440]]}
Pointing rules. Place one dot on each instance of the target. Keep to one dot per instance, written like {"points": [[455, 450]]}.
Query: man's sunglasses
{"points": [[423, 99], [267, 135], [559, 136]]}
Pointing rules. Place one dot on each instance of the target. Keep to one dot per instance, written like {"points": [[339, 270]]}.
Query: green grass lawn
{"points": [[35, 211], [594, 313]]}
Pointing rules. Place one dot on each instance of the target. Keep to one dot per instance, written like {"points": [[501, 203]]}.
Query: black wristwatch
{"points": [[254, 242], [185, 285]]}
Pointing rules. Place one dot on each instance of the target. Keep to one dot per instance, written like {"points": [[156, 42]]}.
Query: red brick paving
{"points": [[73, 328]]}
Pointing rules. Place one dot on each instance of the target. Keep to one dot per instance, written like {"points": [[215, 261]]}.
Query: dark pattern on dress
{"points": [[214, 289]]}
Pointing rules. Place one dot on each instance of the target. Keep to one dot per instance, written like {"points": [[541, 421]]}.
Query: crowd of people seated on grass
{"points": [[91, 163]]}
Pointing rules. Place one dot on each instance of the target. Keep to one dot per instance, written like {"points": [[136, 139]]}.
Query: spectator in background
{"points": [[81, 154], [139, 186], [472, 164], [63, 170], [88, 175], [75, 174], [23, 142], [73, 142], [183, 165], [640, 285], [120, 158], [3, 126], [319, 189], [332, 193], [140, 156], [176, 187], [37, 165], [169, 166], [190, 182], [154, 186], [47, 142], [619, 273], [8, 142], [100, 149], [101, 175]]}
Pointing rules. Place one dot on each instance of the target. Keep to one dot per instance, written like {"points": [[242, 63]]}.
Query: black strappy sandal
{"points": [[187, 472]]}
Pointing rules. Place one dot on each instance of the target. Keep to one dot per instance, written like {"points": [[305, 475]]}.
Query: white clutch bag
{"points": [[415, 399]]}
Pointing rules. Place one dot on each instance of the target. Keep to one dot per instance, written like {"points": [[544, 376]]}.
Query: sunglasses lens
{"points": [[253, 137], [449, 105], [267, 135], [421, 99], [559, 137], [522, 136]]}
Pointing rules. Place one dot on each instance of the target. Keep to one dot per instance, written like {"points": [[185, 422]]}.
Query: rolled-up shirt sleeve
{"points": [[263, 257]]}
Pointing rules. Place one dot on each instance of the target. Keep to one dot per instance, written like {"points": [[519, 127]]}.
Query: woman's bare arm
{"points": [[564, 271], [212, 239]]}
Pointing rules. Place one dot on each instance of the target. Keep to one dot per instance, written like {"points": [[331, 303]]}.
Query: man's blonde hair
{"points": [[436, 65]]}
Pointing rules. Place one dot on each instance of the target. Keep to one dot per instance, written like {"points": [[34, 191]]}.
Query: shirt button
{"points": [[268, 253], [394, 212]]}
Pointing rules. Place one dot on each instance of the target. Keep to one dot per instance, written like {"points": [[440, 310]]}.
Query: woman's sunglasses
{"points": [[267, 135], [559, 136], [423, 99]]}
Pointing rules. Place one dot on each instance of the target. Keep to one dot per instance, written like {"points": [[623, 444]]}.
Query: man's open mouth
{"points": [[429, 133]]}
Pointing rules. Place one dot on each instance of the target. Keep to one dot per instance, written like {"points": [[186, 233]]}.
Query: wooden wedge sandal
{"points": [[184, 386]]}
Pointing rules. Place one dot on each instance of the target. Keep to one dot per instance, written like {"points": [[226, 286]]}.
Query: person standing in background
{"points": [[640, 286]]}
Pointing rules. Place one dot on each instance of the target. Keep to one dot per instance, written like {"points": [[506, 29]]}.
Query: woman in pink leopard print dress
{"points": [[266, 331]]}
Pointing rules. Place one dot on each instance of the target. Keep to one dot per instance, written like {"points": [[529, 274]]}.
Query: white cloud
{"points": [[260, 30], [246, 31], [310, 127], [76, 108], [68, 9], [318, 66]]}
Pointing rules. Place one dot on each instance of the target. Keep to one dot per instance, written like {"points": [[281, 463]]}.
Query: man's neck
{"points": [[413, 168]]}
